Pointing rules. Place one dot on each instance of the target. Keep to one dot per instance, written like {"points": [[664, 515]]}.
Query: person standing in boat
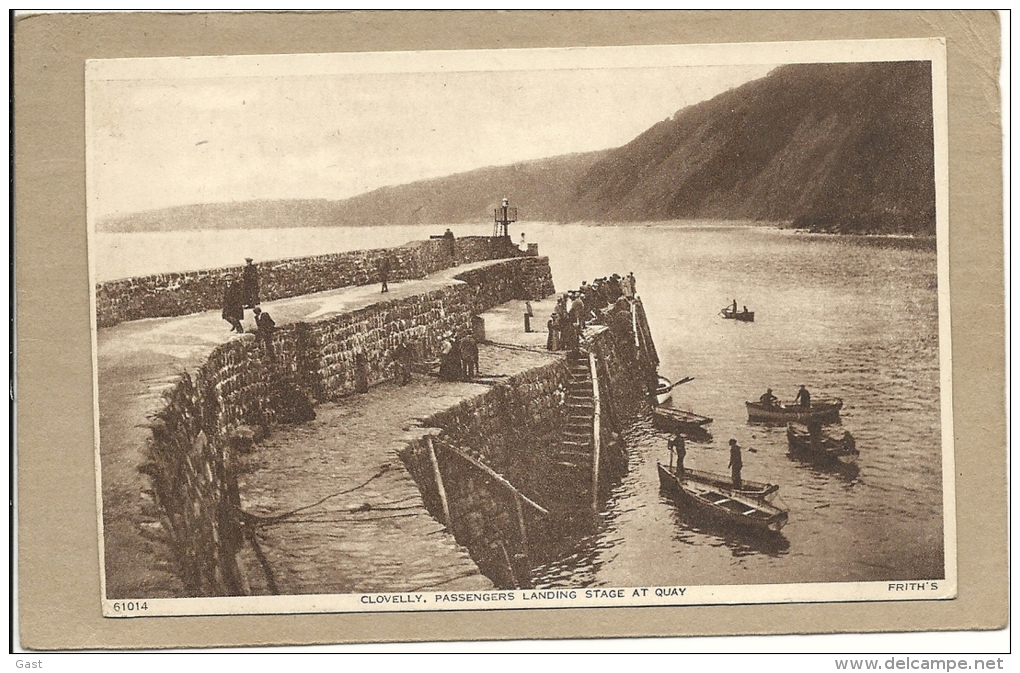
{"points": [[803, 397], [736, 463], [679, 445], [734, 307]]}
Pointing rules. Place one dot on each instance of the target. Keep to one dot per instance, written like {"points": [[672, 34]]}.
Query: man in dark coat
{"points": [[266, 326], [384, 273], [679, 445], [250, 284], [233, 305], [736, 463], [469, 356]]}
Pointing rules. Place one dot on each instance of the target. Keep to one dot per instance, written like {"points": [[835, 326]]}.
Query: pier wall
{"points": [[515, 430], [240, 393], [172, 294]]}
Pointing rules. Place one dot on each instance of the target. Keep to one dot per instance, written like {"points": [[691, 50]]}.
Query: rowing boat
{"points": [[755, 490], [679, 421], [721, 502], [827, 449], [823, 412], [743, 316], [663, 390]]}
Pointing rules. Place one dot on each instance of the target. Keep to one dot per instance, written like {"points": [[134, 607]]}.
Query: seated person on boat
{"points": [[768, 400]]}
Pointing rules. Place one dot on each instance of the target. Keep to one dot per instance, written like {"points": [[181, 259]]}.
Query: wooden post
{"points": [[521, 524], [596, 433], [492, 474], [447, 520], [633, 322]]}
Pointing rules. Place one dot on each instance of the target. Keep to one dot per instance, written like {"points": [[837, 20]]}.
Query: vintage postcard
{"points": [[522, 328]]}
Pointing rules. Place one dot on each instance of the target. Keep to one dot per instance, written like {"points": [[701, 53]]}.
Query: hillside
{"points": [[543, 185], [832, 147]]}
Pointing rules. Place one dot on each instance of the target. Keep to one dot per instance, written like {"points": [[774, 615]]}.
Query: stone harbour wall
{"points": [[515, 429], [172, 294], [240, 393]]}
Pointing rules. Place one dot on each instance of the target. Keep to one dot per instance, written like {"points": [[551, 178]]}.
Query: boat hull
{"points": [[663, 391], [682, 422], [754, 490], [741, 316], [722, 504], [823, 412], [829, 450]]}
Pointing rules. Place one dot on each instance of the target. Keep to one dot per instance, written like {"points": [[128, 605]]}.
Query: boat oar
{"points": [[686, 379]]}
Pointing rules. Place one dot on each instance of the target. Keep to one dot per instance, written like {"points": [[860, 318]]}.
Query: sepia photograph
{"points": [[521, 328]]}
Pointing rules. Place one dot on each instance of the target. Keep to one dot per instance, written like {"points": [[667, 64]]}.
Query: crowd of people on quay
{"points": [[578, 308]]}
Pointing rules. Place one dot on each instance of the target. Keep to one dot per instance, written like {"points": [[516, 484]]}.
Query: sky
{"points": [[165, 132]]}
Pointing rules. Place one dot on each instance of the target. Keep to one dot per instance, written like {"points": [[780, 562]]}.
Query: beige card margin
{"points": [[57, 546]]}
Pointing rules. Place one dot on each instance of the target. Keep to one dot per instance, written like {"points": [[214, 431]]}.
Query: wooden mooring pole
{"points": [[596, 432], [447, 520]]}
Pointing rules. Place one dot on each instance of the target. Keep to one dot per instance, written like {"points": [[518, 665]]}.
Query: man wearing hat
{"points": [[266, 326], [233, 305], [250, 284], [736, 463]]}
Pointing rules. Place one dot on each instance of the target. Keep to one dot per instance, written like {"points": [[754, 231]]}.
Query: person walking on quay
{"points": [[552, 341], [469, 356], [736, 463], [528, 315], [266, 326], [250, 284], [384, 272], [631, 285], [450, 366], [233, 305], [679, 445], [803, 397], [577, 312]]}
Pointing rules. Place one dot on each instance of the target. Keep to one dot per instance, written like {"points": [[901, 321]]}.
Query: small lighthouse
{"points": [[504, 216]]}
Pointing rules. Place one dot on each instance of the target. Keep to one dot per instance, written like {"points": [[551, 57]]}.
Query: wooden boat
{"points": [[679, 421], [754, 490], [722, 503], [663, 390], [827, 450], [824, 412], [744, 316]]}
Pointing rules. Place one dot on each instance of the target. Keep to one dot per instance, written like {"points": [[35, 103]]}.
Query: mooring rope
{"points": [[266, 520]]}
